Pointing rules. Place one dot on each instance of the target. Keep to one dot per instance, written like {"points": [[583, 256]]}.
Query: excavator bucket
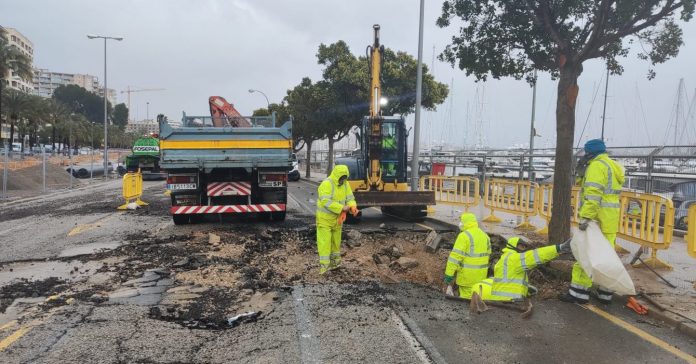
{"points": [[396, 198]]}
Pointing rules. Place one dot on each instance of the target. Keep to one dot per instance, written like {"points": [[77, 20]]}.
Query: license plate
{"points": [[182, 186], [272, 184]]}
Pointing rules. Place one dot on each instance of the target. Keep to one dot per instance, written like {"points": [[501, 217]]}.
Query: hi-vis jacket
{"points": [[333, 197], [601, 187], [469, 256]]}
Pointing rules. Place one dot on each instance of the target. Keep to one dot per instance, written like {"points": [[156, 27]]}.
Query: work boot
{"points": [[323, 270], [567, 297], [334, 265], [602, 296]]}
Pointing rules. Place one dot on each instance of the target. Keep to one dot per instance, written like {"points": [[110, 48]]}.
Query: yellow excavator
{"points": [[379, 172]]}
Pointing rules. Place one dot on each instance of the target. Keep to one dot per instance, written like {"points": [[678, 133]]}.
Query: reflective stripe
{"points": [[478, 255], [580, 288], [350, 198], [324, 209], [335, 254], [613, 192], [594, 184], [593, 198], [505, 265], [471, 242], [537, 259], [581, 296], [458, 251], [325, 196], [523, 261], [615, 205], [507, 294], [486, 283], [323, 257], [607, 297], [463, 265], [505, 280], [326, 205]]}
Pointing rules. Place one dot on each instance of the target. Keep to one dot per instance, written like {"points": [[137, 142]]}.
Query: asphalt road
{"points": [[67, 236]]}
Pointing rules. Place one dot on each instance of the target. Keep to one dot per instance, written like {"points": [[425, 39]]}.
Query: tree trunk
{"points": [[53, 138], [308, 172], [330, 157], [559, 227], [12, 130]]}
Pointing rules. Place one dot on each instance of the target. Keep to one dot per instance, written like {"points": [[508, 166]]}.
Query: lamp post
{"points": [[147, 111], [106, 123], [251, 91], [416, 124]]}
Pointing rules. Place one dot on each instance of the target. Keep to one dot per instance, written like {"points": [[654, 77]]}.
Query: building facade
{"points": [[143, 127], [23, 43], [45, 82]]}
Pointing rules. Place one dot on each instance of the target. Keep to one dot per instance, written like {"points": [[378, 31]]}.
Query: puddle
{"points": [[87, 249], [70, 271]]}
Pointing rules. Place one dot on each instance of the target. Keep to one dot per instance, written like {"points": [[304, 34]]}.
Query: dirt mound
{"points": [[31, 178]]}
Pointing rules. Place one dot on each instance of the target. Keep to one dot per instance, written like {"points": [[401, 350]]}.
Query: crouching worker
{"points": [[510, 281], [335, 198], [468, 260]]}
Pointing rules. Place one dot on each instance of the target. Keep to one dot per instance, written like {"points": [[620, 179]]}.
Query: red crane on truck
{"points": [[224, 114]]}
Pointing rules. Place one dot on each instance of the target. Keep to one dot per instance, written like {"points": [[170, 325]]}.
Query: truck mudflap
{"points": [[226, 209]]}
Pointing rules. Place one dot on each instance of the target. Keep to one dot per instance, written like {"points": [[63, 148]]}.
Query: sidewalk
{"points": [[679, 303]]}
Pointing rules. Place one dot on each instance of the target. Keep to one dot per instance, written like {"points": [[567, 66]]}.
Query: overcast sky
{"points": [[195, 49]]}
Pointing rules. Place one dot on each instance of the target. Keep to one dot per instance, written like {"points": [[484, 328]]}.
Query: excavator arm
{"points": [[224, 114]]}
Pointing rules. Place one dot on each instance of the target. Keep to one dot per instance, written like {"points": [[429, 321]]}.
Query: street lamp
{"points": [[106, 123], [147, 111], [251, 91]]}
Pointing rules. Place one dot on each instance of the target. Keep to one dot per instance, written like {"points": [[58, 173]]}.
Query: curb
{"points": [[683, 326]]}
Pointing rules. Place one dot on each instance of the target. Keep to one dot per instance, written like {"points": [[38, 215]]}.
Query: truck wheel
{"points": [[278, 216], [180, 219]]}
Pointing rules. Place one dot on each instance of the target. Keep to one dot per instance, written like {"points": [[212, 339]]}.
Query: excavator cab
{"points": [[393, 161]]}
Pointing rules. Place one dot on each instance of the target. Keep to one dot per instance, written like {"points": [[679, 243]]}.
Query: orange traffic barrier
{"points": [[452, 190], [514, 197], [640, 217], [21, 164], [132, 190]]}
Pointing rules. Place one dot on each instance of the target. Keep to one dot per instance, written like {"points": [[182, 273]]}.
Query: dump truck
{"points": [[223, 165]]}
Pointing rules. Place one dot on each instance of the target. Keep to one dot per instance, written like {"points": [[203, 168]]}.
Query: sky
{"points": [[198, 48]]}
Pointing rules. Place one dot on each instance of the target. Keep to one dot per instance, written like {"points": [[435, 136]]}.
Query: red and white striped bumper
{"points": [[226, 209]]}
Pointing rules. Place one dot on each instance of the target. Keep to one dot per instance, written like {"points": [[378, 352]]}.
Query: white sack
{"points": [[599, 260]]}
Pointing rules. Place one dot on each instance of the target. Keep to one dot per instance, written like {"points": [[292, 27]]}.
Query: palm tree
{"points": [[57, 113], [16, 103], [11, 60]]}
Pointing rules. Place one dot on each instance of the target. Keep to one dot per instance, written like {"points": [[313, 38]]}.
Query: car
{"points": [[680, 214], [294, 174]]}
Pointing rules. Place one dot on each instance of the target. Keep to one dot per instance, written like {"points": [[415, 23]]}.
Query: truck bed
{"points": [[227, 147]]}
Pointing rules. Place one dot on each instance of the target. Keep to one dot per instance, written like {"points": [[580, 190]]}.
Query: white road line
{"points": [[424, 348], [309, 345]]}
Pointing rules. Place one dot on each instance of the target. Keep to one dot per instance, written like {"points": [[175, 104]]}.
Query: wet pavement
{"points": [[89, 284]]}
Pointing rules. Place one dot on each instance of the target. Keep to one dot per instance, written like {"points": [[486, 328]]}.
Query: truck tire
{"points": [[278, 216], [180, 219]]}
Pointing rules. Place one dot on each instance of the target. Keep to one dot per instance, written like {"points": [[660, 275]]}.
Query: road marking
{"points": [[79, 229], [309, 345], [6, 342], [8, 325], [642, 334], [413, 330], [413, 342], [424, 226]]}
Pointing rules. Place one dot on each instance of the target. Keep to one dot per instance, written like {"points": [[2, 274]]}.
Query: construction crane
{"points": [[379, 175], [224, 114], [128, 91]]}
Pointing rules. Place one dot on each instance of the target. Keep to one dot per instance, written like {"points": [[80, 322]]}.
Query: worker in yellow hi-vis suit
{"points": [[601, 186], [335, 197]]}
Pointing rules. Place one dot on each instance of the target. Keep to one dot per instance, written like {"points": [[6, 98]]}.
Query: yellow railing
{"points": [[640, 218], [691, 231], [453, 190], [514, 197]]}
